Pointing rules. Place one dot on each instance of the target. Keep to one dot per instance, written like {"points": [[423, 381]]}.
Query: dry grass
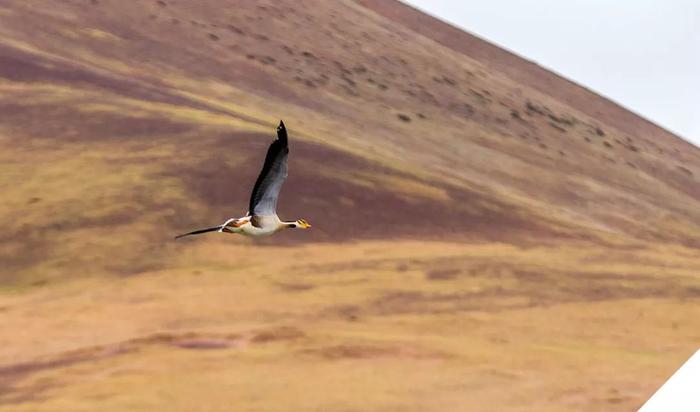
{"points": [[477, 244], [358, 326]]}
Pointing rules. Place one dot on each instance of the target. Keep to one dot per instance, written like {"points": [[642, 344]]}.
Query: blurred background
{"points": [[640, 54], [485, 232]]}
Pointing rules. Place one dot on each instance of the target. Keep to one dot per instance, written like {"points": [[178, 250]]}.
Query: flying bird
{"points": [[261, 219]]}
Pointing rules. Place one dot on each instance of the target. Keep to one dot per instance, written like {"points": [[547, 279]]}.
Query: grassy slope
{"points": [[364, 326], [565, 247]]}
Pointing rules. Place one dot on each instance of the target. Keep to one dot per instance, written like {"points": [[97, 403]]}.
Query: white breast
{"points": [[268, 225]]}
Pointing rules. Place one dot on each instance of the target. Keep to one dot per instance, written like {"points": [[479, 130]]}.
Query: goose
{"points": [[261, 219]]}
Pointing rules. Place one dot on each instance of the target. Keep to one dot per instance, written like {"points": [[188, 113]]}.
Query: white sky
{"points": [[643, 54]]}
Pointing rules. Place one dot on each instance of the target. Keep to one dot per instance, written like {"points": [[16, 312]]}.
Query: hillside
{"points": [[447, 182]]}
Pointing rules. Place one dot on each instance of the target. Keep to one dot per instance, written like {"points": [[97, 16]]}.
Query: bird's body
{"points": [[258, 226], [261, 219]]}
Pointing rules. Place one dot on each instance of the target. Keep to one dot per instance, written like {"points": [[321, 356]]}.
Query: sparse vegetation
{"points": [[557, 127], [428, 293]]}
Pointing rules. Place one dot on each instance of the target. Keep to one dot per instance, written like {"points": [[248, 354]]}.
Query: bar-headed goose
{"points": [[262, 219]]}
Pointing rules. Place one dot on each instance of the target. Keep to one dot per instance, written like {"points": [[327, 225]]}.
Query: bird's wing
{"points": [[263, 200]]}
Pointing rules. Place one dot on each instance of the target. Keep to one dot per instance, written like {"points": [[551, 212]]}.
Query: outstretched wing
{"points": [[263, 200]]}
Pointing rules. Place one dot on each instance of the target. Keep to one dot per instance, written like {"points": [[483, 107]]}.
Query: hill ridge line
{"points": [[416, 20]]}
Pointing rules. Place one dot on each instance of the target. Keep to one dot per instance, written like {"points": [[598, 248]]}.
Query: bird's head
{"points": [[301, 224]]}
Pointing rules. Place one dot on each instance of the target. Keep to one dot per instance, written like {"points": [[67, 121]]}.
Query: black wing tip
{"points": [[282, 132], [197, 232]]}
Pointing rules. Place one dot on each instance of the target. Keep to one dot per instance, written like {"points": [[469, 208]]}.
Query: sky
{"points": [[643, 54]]}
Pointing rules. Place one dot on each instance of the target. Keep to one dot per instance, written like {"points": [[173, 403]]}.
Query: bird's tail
{"points": [[222, 228]]}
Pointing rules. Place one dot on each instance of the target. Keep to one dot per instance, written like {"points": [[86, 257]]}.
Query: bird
{"points": [[261, 219]]}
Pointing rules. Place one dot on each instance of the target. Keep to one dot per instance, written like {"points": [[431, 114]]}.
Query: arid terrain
{"points": [[486, 235]]}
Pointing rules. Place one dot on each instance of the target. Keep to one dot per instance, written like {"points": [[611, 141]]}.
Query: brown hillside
{"points": [[465, 204], [525, 72], [468, 145]]}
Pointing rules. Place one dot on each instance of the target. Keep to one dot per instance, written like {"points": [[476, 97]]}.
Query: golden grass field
{"points": [[484, 237], [359, 326]]}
